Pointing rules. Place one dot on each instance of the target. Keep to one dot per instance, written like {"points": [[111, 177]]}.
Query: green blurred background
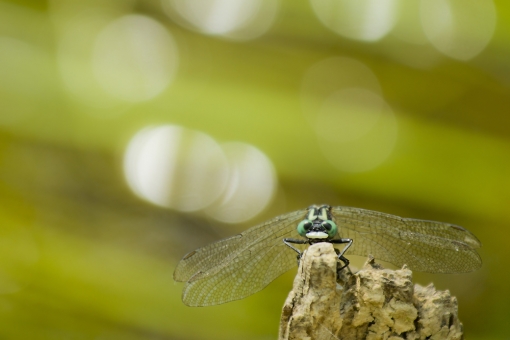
{"points": [[132, 132]]}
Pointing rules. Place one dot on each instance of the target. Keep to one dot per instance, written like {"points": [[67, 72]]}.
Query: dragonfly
{"points": [[241, 265]]}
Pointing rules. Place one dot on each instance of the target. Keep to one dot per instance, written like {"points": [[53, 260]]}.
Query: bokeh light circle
{"points": [[134, 58], [251, 184], [76, 40], [366, 20], [460, 29], [175, 167], [356, 130], [331, 75], [342, 101], [233, 19]]}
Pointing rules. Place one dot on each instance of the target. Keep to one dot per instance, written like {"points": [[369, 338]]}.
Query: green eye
{"points": [[303, 227], [331, 227]]}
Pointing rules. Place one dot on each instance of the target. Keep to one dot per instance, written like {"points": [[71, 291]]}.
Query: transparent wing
{"points": [[238, 266], [426, 246]]}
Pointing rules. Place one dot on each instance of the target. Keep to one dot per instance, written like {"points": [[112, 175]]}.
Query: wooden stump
{"points": [[374, 303]]}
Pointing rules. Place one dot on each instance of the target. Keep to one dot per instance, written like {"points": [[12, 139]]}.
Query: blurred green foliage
{"points": [[81, 257]]}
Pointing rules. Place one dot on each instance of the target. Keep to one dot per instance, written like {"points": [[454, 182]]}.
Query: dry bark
{"points": [[374, 303]]}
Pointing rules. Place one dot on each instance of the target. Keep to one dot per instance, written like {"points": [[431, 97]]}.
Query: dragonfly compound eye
{"points": [[330, 227], [304, 227]]}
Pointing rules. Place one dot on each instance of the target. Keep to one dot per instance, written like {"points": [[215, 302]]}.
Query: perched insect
{"points": [[241, 265]]}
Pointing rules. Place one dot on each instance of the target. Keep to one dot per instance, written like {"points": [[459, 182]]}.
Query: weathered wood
{"points": [[374, 303]]}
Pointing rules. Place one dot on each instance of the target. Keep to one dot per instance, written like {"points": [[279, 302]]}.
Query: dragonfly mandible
{"points": [[241, 265]]}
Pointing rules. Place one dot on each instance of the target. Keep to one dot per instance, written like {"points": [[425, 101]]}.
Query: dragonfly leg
{"points": [[341, 256], [287, 242]]}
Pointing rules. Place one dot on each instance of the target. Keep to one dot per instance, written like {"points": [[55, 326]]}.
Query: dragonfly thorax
{"points": [[318, 225]]}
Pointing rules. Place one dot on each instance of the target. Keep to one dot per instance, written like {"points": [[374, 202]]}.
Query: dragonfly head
{"points": [[318, 224]]}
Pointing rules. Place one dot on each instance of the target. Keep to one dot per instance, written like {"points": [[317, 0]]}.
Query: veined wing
{"points": [[238, 266], [426, 246]]}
